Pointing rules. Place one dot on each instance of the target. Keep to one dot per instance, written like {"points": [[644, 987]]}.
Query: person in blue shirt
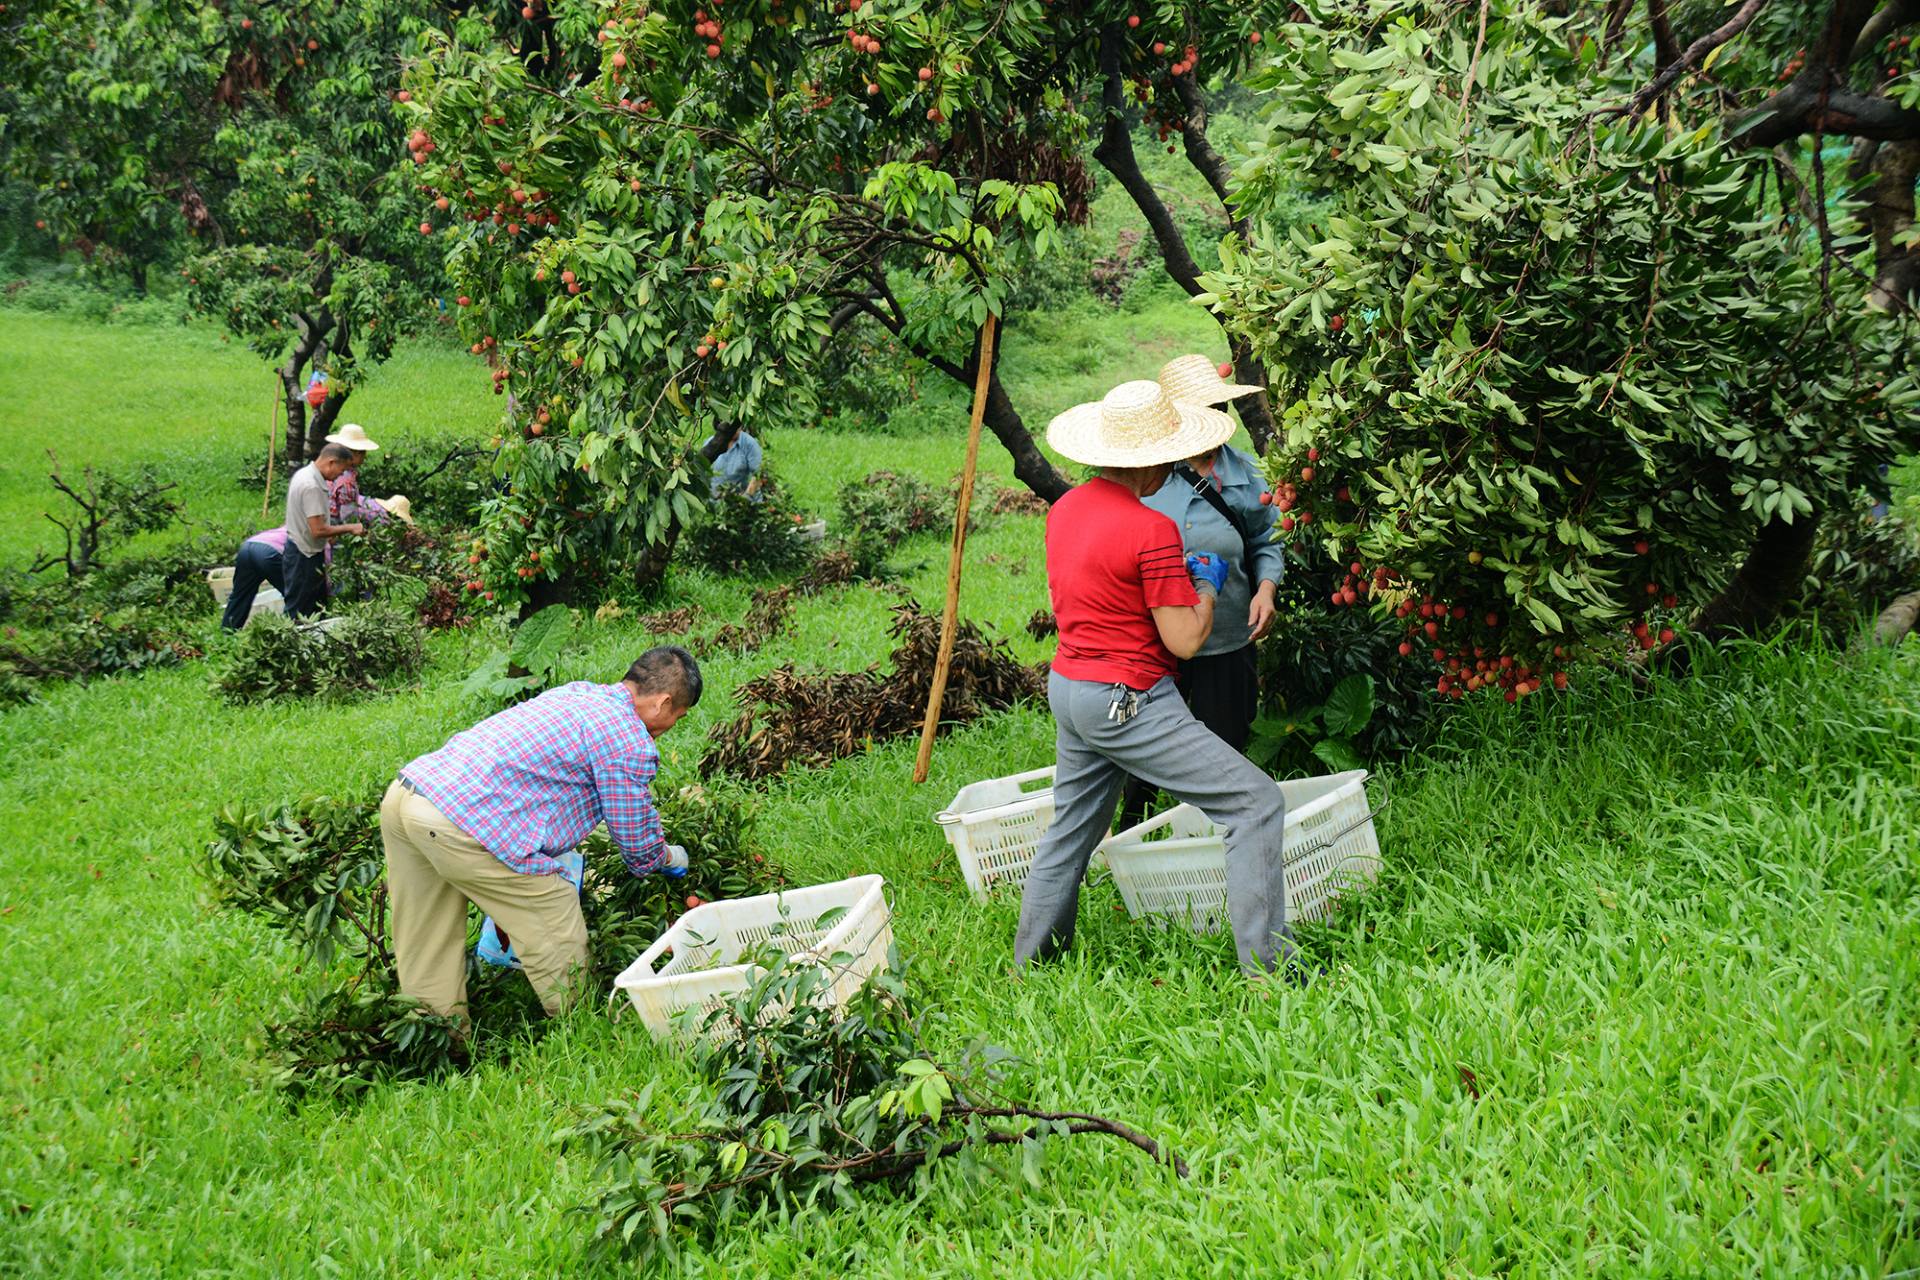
{"points": [[738, 465], [1220, 682]]}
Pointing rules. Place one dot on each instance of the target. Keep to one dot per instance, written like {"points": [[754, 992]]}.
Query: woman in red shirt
{"points": [[1130, 603]]}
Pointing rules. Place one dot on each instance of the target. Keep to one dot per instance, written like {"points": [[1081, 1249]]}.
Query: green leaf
{"points": [[1338, 755], [1349, 706]]}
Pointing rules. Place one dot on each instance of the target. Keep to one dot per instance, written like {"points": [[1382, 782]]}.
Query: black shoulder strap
{"points": [[1205, 489]]}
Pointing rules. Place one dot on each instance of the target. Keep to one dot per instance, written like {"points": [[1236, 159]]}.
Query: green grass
{"points": [[1636, 994], [194, 408]]}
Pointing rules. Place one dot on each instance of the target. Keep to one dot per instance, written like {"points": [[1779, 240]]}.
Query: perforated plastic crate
{"points": [[1173, 867], [698, 962], [266, 600], [994, 827]]}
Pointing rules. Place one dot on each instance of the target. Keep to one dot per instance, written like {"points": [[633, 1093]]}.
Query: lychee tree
{"points": [[658, 218], [1552, 380], [254, 143]]}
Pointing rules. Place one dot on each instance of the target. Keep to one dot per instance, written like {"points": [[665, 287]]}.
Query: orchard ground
{"points": [[1636, 993]]}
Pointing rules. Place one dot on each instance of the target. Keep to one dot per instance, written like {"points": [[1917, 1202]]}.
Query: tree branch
{"points": [[1695, 53], [1115, 154]]}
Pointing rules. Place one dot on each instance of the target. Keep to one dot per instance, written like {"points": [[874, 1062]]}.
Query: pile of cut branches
{"points": [[787, 718], [809, 1103]]}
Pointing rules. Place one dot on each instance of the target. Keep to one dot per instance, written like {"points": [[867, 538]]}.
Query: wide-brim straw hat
{"points": [[1137, 424], [398, 505], [354, 437], [1197, 380]]}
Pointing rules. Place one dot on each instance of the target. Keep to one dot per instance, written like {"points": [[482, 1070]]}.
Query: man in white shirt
{"points": [[302, 564]]}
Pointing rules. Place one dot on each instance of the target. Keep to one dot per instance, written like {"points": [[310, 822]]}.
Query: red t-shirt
{"points": [[1112, 560]]}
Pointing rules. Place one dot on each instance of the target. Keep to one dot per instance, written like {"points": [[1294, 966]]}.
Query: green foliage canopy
{"points": [[1542, 371]]}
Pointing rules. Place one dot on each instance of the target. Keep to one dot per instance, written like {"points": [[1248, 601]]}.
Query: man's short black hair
{"points": [[667, 669], [338, 452]]}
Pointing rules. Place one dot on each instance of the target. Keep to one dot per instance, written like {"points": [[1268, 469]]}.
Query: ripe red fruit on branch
{"points": [[1286, 524], [1641, 548], [1336, 323], [1313, 453], [1306, 475], [1225, 369], [1266, 499], [926, 74], [1133, 20], [693, 900], [1493, 619], [1433, 630], [426, 228], [703, 351], [1159, 47], [1405, 648], [1653, 588], [1254, 38], [464, 300], [1666, 635]]}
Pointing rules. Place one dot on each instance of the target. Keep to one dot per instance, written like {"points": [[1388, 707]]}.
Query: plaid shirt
{"points": [[531, 782]]}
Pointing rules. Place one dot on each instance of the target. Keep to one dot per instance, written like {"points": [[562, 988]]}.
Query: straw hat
{"points": [[398, 505], [1197, 380], [354, 436], [1137, 425]]}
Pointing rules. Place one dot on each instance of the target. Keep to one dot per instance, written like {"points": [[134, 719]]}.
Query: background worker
{"points": [[737, 466], [259, 559], [343, 494], [490, 817], [1213, 498], [1130, 601], [302, 567]]}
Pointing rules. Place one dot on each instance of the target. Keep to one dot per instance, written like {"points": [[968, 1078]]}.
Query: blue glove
{"points": [[676, 865], [1208, 569]]}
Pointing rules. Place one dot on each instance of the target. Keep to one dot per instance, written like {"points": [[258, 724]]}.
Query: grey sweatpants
{"points": [[1163, 746]]}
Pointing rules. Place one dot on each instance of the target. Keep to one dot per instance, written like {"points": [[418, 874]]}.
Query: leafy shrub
{"points": [[351, 653], [740, 536], [1311, 650], [529, 665], [85, 646], [884, 508]]}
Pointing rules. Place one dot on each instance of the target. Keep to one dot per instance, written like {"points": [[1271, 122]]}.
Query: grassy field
{"points": [[1636, 994]]}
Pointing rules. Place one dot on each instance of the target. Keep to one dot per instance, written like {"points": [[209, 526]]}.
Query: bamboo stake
{"points": [[950, 619], [273, 428]]}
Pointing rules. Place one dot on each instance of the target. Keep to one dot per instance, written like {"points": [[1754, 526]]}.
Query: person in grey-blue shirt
{"points": [[1220, 682], [738, 466]]}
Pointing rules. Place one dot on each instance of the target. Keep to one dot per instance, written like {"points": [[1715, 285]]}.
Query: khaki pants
{"points": [[434, 869]]}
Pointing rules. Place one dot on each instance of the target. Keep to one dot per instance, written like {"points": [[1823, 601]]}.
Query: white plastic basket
{"points": [[1173, 867], [696, 963], [267, 600], [994, 827]]}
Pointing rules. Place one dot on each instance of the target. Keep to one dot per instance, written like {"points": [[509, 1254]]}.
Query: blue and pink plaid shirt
{"points": [[533, 781]]}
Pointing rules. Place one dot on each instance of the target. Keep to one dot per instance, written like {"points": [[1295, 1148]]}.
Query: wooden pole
{"points": [[950, 619], [273, 426]]}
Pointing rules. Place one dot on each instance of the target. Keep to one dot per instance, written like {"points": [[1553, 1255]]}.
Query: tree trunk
{"points": [[651, 570], [1116, 156], [339, 344], [293, 385], [1030, 466], [1897, 619], [1772, 573], [1890, 212]]}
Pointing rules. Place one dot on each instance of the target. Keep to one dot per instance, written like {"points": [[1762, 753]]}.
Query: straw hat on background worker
{"points": [[354, 437], [1194, 379], [398, 506], [1137, 424]]}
